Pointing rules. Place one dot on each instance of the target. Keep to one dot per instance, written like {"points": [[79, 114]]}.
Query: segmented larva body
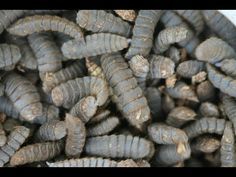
{"points": [[130, 99], [8, 108], [85, 109], [188, 69], [161, 67], [9, 56], [40, 23], [208, 109], [99, 116], [205, 125], [36, 152], [95, 44], [225, 83], [213, 50], [16, 138], [180, 115], [227, 150], [99, 21], [69, 93], [76, 135], [3, 138], [128, 15], [24, 96], [94, 69], [205, 91], [119, 146], [143, 31], [9, 124], [104, 127], [228, 66], [68, 73]]}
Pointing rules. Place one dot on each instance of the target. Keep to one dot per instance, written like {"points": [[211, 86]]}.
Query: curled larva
{"points": [[143, 31], [180, 115], [205, 91], [3, 137], [99, 116], [95, 44], [208, 109], [128, 15], [40, 23], [228, 66], [213, 50], [99, 21], [119, 146]]}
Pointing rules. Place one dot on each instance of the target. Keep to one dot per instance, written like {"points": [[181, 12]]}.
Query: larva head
{"points": [[139, 65], [83, 17], [69, 48], [57, 96], [184, 150], [35, 110]]}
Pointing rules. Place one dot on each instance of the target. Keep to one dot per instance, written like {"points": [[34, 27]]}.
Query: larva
{"points": [[180, 115], [188, 69], [32, 76], [100, 115], [99, 21], [205, 91], [8, 108], [205, 125], [24, 96], [40, 23], [227, 150], [213, 50], [95, 44], [9, 56], [14, 141], [208, 109], [36, 152], [168, 103], [76, 135], [3, 138], [9, 124], [130, 98], [119, 146], [199, 77], [69, 93], [228, 66], [104, 127], [143, 30], [94, 69], [128, 15]]}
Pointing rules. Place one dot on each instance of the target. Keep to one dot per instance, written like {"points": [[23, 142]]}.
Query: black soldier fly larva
{"points": [[208, 109], [228, 66]]}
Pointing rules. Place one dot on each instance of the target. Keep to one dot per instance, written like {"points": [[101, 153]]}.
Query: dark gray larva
{"points": [[24, 96], [85, 109], [104, 127], [9, 56], [95, 44], [228, 66], [36, 152], [168, 103], [100, 21], [205, 91], [119, 146], [205, 125], [100, 115], [180, 115], [76, 135], [188, 69], [227, 150], [16, 138], [175, 54], [40, 23], [130, 98], [3, 138], [225, 83], [208, 109], [143, 31], [69, 93], [213, 50]]}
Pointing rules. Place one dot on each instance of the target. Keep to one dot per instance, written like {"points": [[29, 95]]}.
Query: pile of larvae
{"points": [[117, 88]]}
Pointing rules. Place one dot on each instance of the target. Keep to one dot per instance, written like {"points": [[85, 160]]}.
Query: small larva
{"points": [[3, 138], [95, 44], [143, 31], [99, 116], [36, 152], [9, 124], [208, 109], [205, 91], [40, 23], [128, 15], [119, 146], [76, 135], [228, 66], [99, 21]]}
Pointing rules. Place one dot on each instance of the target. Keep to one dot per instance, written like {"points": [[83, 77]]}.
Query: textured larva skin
{"points": [[85, 109], [51, 131], [9, 56], [16, 138], [221, 26], [24, 96], [99, 21], [69, 93], [205, 125], [128, 15], [36, 152], [208, 109], [227, 150], [182, 91], [99, 116], [104, 127], [68, 73], [153, 97], [180, 115], [41, 23], [3, 138], [205, 91], [76, 136], [228, 66], [8, 108], [143, 30], [119, 146], [213, 50], [188, 69], [95, 44], [130, 99], [225, 83]]}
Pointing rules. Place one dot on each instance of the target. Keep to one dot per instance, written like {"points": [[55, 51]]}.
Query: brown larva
{"points": [[128, 15]]}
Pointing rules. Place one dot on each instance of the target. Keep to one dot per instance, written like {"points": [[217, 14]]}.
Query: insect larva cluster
{"points": [[117, 88]]}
